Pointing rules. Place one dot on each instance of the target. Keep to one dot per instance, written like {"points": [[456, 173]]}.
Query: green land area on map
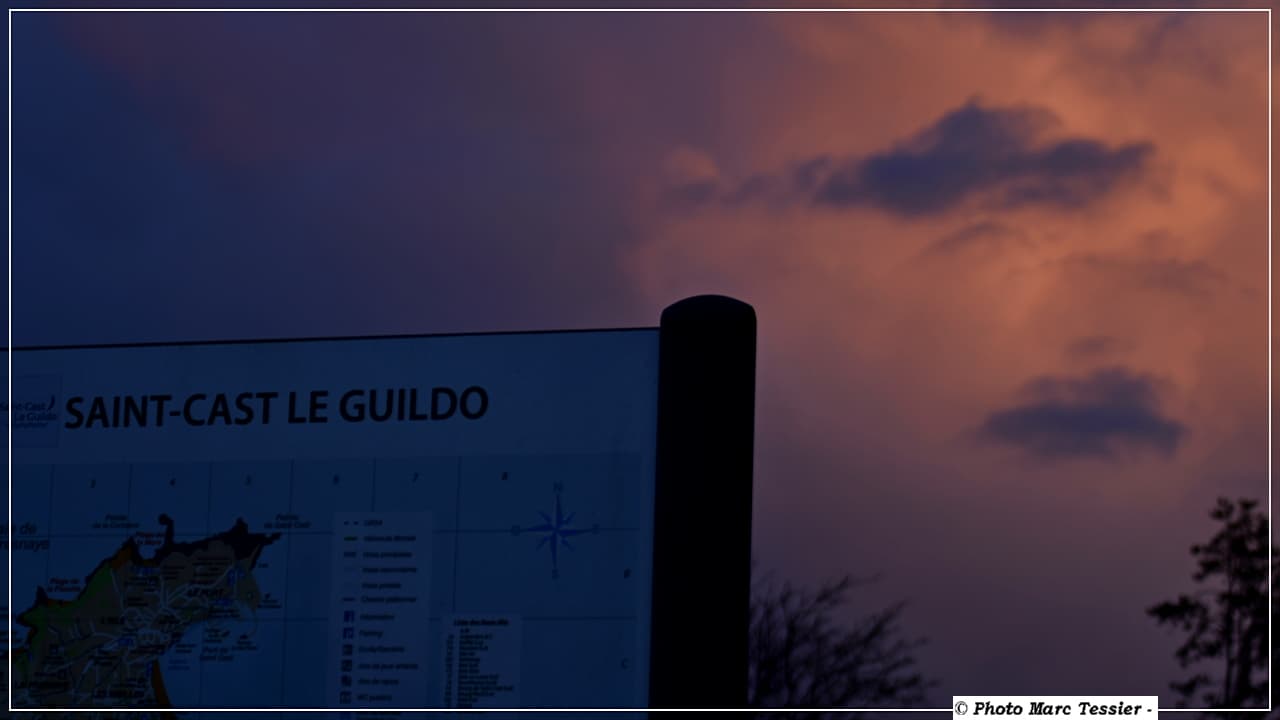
{"points": [[103, 648]]}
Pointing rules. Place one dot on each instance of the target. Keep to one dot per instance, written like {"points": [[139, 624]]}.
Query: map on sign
{"points": [[455, 521]]}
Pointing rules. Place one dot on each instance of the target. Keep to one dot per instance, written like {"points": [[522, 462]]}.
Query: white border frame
{"points": [[9, 350]]}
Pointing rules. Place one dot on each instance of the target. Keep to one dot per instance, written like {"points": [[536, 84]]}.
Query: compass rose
{"points": [[556, 531]]}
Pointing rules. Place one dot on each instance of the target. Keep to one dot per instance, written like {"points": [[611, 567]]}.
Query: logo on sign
{"points": [[34, 414]]}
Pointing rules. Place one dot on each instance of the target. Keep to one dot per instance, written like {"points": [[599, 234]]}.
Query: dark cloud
{"points": [[979, 151], [1191, 278], [1093, 346], [691, 194], [1097, 416], [434, 184], [998, 156], [754, 188], [985, 236], [809, 174]]}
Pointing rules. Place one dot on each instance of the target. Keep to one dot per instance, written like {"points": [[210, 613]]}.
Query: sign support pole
{"points": [[702, 505]]}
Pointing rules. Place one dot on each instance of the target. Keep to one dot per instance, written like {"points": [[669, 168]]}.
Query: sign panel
{"points": [[408, 522]]}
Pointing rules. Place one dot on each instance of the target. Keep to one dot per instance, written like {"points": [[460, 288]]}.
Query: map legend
{"points": [[380, 596], [482, 662]]}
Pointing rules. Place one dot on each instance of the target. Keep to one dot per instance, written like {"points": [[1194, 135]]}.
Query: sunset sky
{"points": [[1010, 269]]}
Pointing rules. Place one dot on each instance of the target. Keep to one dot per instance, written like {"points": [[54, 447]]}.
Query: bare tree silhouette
{"points": [[802, 655], [1225, 619]]}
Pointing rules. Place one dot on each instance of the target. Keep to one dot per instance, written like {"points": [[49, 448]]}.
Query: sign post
{"points": [[702, 523]]}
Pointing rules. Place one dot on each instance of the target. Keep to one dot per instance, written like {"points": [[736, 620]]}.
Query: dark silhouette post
{"points": [[702, 512]]}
